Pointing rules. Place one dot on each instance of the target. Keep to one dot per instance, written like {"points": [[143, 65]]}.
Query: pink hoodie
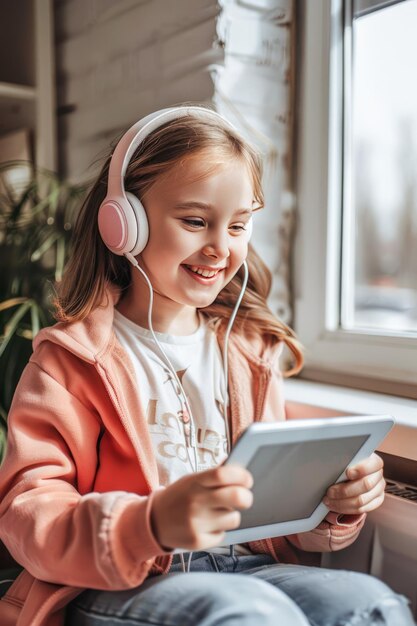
{"points": [[77, 481]]}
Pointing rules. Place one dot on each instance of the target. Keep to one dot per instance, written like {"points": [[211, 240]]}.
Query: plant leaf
{"points": [[60, 259], [34, 314], [39, 252], [7, 304], [13, 323]]}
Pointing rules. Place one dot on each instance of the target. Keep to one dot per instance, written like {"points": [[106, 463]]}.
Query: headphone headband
{"points": [[137, 133]]}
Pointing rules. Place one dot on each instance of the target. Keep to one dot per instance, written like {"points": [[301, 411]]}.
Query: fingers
{"points": [[216, 521], [225, 475], [216, 502], [364, 503], [352, 488], [195, 511], [209, 530], [231, 498], [370, 465], [363, 500], [364, 490], [215, 492]]}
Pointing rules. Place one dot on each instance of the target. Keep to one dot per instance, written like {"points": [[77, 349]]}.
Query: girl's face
{"points": [[198, 237]]}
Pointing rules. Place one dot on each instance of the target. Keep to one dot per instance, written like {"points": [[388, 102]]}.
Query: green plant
{"points": [[37, 213]]}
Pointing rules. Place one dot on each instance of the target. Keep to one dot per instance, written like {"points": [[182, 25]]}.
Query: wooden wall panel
{"points": [[116, 62]]}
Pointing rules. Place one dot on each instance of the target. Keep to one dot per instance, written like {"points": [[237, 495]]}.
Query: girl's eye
{"points": [[194, 222]]}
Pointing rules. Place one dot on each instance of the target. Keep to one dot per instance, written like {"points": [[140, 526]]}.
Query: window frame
{"points": [[332, 354]]}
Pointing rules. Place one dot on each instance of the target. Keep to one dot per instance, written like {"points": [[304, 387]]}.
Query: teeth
{"points": [[205, 273]]}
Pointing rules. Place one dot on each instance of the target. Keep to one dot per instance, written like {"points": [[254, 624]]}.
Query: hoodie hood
{"points": [[89, 338]]}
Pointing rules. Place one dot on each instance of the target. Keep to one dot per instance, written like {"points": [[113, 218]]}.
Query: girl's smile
{"points": [[203, 274], [197, 242]]}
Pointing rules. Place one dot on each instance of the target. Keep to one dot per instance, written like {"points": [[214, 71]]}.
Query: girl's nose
{"points": [[218, 247]]}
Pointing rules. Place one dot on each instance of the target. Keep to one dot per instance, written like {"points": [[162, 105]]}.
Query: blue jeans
{"points": [[260, 592]]}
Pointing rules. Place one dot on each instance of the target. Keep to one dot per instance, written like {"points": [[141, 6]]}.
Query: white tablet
{"points": [[293, 463]]}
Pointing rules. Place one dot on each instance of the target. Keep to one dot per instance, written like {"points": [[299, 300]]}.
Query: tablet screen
{"points": [[302, 487]]}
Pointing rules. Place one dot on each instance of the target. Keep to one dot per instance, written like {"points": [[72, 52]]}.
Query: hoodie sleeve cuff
{"points": [[162, 550], [341, 519], [133, 543]]}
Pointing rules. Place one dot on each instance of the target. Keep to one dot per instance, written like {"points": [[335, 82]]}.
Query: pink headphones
{"points": [[122, 220]]}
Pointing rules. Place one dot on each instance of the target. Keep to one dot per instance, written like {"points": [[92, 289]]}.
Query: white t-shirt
{"points": [[198, 363]]}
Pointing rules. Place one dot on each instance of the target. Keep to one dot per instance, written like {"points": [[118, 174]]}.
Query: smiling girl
{"points": [[121, 420]]}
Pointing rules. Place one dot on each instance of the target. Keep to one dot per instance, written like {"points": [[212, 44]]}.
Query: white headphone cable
{"points": [[225, 357], [194, 465], [134, 262]]}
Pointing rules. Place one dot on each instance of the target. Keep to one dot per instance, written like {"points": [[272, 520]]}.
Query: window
{"points": [[379, 286], [356, 249]]}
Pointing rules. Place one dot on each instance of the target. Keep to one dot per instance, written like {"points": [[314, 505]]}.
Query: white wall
{"points": [[117, 61]]}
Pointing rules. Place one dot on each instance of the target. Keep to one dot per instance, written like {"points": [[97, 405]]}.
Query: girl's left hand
{"points": [[362, 492]]}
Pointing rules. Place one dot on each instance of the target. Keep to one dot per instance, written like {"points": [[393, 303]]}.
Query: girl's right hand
{"points": [[195, 511]]}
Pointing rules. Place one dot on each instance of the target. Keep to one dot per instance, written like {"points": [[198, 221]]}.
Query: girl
{"points": [[112, 464]]}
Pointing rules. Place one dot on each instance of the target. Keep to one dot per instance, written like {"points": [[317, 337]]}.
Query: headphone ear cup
{"points": [[142, 224], [117, 225], [249, 228]]}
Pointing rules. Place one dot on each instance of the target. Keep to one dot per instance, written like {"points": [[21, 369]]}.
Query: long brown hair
{"points": [[92, 266]]}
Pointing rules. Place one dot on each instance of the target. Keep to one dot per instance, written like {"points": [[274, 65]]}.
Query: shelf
{"points": [[18, 42], [16, 113], [17, 92], [27, 75]]}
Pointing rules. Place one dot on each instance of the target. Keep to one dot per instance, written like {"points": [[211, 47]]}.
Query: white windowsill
{"points": [[402, 440]]}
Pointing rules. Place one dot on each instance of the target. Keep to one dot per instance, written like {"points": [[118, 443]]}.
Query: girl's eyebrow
{"points": [[206, 207]]}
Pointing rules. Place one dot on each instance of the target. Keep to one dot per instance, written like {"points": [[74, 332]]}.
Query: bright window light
{"points": [[379, 259]]}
